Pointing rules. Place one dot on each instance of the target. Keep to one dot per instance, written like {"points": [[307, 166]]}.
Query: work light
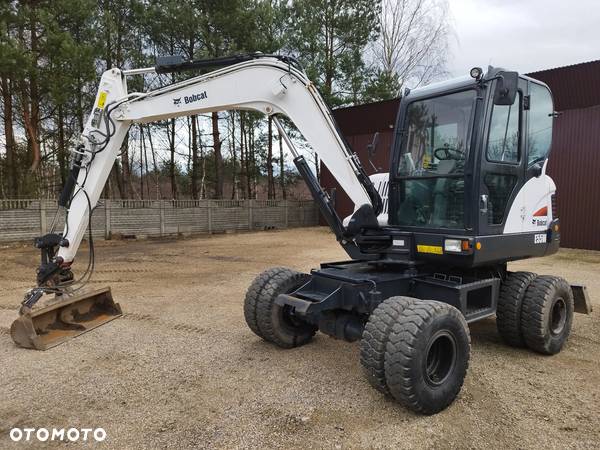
{"points": [[476, 72]]}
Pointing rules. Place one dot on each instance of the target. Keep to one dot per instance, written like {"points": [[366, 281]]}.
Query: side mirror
{"points": [[506, 88], [373, 145], [371, 148]]}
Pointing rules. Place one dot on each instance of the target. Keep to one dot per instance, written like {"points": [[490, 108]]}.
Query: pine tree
{"points": [[329, 37]]}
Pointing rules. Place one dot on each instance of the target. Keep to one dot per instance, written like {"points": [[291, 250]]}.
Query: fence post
{"points": [[250, 214], [42, 217], [107, 218], [287, 220], [210, 227], [162, 217]]}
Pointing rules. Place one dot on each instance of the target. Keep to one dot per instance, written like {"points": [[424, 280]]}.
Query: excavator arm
{"points": [[271, 85]]}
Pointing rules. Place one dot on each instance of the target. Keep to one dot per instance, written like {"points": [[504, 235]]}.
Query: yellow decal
{"points": [[435, 249], [426, 162], [102, 99]]}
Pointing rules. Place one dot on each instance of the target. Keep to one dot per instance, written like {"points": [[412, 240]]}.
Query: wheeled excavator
{"points": [[428, 243]]}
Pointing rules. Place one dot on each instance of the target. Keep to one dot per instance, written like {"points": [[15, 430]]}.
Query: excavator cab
{"points": [[467, 179]]}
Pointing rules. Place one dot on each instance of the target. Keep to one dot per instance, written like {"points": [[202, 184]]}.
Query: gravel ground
{"points": [[181, 369]]}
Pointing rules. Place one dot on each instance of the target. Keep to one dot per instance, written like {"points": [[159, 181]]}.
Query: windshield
{"points": [[437, 134], [430, 193]]}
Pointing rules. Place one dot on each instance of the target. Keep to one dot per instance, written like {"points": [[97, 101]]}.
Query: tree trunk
{"points": [[194, 138], [125, 169], [203, 179], [218, 156], [172, 163], [145, 161], [255, 171], [281, 168], [116, 175], [106, 7], [61, 150], [156, 171], [244, 156], [141, 162], [241, 182], [233, 157], [79, 105], [270, 180], [9, 137], [34, 95]]}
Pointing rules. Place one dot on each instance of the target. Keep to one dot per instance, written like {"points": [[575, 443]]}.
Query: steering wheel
{"points": [[445, 153]]}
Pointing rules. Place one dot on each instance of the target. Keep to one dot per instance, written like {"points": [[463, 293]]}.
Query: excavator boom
{"points": [[272, 85]]}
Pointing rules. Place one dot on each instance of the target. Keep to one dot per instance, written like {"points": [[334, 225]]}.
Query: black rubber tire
{"points": [[427, 329], [547, 299], [510, 303], [277, 324], [251, 299], [375, 338]]}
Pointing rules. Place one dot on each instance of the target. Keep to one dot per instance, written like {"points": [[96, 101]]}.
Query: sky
{"points": [[523, 35]]}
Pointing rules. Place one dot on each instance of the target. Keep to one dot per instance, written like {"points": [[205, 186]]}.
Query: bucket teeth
{"points": [[54, 324]]}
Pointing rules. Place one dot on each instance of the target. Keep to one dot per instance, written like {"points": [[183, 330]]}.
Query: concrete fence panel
{"points": [[26, 219]]}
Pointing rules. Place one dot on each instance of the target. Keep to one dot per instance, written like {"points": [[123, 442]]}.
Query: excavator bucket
{"points": [[54, 324]]}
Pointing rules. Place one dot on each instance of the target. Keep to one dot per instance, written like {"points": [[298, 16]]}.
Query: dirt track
{"points": [[181, 369]]}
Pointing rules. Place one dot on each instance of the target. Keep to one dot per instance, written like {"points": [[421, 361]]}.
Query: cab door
{"points": [[502, 162], [539, 189]]}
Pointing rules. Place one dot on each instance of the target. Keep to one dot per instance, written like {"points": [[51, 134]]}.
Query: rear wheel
{"points": [[547, 314], [251, 299], [510, 303], [275, 323], [427, 355]]}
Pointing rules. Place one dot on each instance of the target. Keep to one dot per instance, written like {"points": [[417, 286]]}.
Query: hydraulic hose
{"points": [[67, 192]]}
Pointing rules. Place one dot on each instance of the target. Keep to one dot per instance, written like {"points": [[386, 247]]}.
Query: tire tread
{"points": [[252, 297], [534, 320], [510, 305], [277, 280], [374, 340]]}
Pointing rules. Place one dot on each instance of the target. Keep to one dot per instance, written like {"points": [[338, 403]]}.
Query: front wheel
{"points": [[427, 355]]}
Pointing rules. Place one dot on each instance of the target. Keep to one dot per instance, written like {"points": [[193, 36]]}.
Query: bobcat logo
{"points": [[177, 101], [195, 97]]}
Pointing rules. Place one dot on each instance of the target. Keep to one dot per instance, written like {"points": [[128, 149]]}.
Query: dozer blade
{"points": [[54, 324]]}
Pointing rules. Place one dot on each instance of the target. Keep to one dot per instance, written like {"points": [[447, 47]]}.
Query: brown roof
{"points": [[368, 118], [573, 87]]}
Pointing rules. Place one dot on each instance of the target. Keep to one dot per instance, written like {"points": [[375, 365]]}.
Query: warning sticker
{"points": [[426, 162], [435, 249], [102, 99]]}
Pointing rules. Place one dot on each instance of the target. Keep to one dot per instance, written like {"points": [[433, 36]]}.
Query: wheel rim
{"points": [[558, 316], [289, 318], [441, 358]]}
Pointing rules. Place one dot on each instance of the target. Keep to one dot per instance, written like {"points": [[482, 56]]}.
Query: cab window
{"points": [[503, 146], [541, 112], [435, 148], [503, 139], [437, 135]]}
